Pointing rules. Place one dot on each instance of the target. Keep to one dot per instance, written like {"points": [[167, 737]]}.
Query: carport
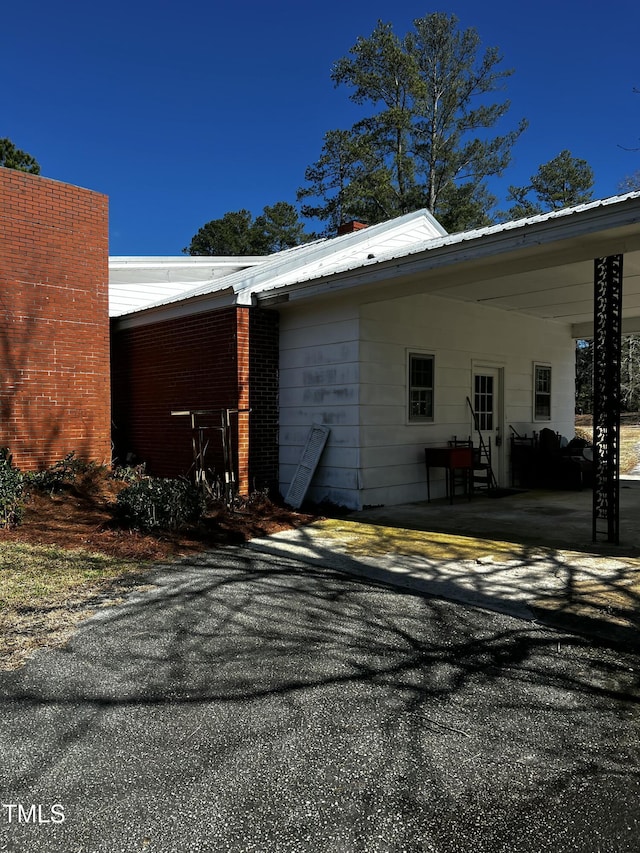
{"points": [[579, 267]]}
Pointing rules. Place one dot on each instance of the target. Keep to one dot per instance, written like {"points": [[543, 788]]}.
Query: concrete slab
{"points": [[528, 554], [551, 518]]}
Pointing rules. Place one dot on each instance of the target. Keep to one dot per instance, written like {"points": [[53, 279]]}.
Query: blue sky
{"points": [[180, 112]]}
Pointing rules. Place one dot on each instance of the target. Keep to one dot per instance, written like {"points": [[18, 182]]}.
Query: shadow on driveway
{"points": [[254, 702]]}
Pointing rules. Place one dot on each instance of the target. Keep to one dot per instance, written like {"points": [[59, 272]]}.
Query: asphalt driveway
{"points": [[250, 702]]}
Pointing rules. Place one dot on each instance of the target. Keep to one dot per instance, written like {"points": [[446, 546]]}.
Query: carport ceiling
{"points": [[547, 274], [563, 293]]}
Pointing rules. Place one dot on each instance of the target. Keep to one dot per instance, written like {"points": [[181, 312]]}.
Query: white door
{"points": [[487, 406]]}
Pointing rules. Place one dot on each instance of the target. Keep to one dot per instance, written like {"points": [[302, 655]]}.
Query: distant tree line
{"points": [[629, 375]]}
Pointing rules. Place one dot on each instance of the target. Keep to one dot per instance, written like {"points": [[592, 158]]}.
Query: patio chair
{"points": [[481, 476]]}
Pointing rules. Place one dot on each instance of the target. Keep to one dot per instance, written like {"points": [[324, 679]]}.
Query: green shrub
{"points": [[61, 474], [11, 491], [160, 504], [129, 473]]}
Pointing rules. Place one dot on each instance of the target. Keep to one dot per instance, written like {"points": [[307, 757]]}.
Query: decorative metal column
{"points": [[606, 396]]}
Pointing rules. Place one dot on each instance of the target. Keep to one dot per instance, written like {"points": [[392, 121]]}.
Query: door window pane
{"points": [[483, 401]]}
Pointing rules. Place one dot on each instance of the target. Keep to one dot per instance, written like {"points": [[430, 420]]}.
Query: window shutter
{"points": [[308, 463]]}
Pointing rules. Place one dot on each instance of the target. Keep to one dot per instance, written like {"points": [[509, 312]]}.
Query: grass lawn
{"points": [[629, 442], [45, 591], [629, 452], [31, 573]]}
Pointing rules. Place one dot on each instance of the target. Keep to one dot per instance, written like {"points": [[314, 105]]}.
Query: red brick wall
{"points": [[263, 398], [243, 349], [54, 326], [182, 364], [204, 361]]}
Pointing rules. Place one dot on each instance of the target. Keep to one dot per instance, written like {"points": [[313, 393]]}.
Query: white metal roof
{"points": [[136, 282], [534, 230], [541, 265]]}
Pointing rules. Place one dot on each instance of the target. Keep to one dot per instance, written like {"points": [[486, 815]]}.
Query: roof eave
{"points": [[178, 308], [527, 242]]}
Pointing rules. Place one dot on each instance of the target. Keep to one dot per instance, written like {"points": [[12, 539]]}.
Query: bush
{"points": [[61, 474], [159, 504], [129, 473], [11, 491]]}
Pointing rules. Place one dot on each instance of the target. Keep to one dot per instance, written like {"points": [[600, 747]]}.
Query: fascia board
{"points": [[132, 279], [216, 286], [525, 239]]}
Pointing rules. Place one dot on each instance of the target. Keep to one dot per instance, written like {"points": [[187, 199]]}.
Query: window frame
{"points": [[540, 366], [420, 419]]}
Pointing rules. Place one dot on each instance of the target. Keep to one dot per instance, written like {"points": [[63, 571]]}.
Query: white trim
{"points": [[499, 452], [420, 353], [174, 311], [547, 365]]}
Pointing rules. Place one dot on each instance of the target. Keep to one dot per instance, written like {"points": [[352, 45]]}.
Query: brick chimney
{"points": [[350, 227]]}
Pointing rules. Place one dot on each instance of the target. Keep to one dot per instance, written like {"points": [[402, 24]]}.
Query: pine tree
{"points": [[13, 158], [427, 139]]}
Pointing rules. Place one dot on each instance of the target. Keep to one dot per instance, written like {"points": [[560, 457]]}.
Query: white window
{"points": [[421, 376], [541, 392]]}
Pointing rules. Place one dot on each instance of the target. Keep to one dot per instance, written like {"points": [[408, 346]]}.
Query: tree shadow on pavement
{"points": [[373, 694]]}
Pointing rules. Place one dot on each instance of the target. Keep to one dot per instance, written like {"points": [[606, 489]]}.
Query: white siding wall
{"points": [[319, 378], [345, 365], [458, 334]]}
